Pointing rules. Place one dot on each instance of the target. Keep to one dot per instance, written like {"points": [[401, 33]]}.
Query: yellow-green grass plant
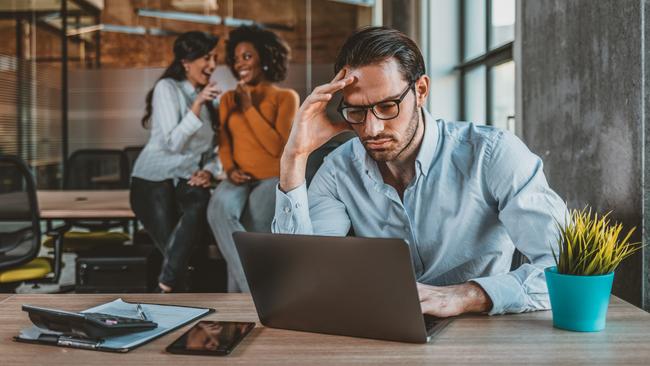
{"points": [[591, 244]]}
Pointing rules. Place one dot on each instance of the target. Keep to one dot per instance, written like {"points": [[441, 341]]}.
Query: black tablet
{"points": [[211, 338]]}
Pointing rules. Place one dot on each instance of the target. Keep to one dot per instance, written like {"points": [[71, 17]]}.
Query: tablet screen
{"points": [[211, 338]]}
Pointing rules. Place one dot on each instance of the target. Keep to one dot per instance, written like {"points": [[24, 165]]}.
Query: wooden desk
{"points": [[482, 340], [113, 204]]}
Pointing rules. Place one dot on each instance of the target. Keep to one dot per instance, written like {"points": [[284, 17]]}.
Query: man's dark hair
{"points": [[370, 45], [274, 52]]}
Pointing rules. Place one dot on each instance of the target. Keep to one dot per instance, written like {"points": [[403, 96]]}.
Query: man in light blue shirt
{"points": [[462, 196]]}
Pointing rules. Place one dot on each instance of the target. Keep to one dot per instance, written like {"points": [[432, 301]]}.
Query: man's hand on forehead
{"points": [[311, 129]]}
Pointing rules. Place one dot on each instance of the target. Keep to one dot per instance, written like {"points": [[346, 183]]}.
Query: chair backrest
{"points": [[20, 230], [132, 153], [97, 169], [316, 158]]}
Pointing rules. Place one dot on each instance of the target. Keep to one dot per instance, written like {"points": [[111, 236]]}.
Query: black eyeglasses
{"points": [[387, 109]]}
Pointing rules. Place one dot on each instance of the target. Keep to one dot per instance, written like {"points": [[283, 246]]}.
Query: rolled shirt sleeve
{"points": [[213, 164], [180, 142], [317, 211], [292, 211], [166, 109], [529, 210]]}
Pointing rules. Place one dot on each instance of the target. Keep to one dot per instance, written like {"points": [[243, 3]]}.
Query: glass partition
{"points": [[75, 73]]}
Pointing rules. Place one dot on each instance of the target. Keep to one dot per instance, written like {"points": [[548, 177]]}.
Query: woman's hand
{"points": [[200, 178], [243, 96], [209, 93], [238, 176]]}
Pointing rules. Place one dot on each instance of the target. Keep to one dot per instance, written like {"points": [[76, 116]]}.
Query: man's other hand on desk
{"points": [[445, 301]]}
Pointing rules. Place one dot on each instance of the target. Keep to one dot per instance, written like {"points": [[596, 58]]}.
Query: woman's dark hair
{"points": [[188, 46], [370, 45], [274, 52]]}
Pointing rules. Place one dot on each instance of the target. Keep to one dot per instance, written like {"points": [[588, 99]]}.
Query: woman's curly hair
{"points": [[274, 52]]}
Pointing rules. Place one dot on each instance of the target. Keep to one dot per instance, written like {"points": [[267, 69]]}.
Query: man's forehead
{"points": [[373, 83], [375, 74]]}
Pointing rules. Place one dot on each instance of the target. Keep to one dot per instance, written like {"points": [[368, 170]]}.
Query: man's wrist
{"points": [[476, 299], [292, 170], [289, 157]]}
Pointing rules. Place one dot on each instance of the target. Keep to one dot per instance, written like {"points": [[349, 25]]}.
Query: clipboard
{"points": [[168, 317]]}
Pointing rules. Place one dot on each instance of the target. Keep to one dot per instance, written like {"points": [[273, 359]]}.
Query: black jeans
{"points": [[175, 218]]}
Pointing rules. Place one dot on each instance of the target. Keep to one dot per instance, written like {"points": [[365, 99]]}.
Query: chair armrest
{"points": [[57, 234]]}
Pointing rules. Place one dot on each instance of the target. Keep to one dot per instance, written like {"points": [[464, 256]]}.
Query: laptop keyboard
{"points": [[433, 325]]}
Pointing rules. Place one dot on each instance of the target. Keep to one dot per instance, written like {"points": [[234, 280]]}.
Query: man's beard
{"points": [[393, 153]]}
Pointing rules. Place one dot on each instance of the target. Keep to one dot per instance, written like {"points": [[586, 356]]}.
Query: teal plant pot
{"points": [[579, 303]]}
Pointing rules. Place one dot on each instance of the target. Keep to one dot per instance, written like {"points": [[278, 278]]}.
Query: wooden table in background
{"points": [[109, 204], [478, 339]]}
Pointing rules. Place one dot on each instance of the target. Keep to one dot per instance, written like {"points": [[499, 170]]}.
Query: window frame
{"points": [[489, 58]]}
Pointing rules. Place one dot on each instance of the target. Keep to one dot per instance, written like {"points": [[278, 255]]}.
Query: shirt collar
{"points": [[188, 88], [424, 159], [429, 143]]}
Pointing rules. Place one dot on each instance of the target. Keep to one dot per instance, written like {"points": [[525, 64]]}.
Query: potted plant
{"points": [[590, 248]]}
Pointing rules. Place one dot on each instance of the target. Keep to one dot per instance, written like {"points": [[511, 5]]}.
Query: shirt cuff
{"points": [[505, 292], [214, 167], [190, 123], [290, 206]]}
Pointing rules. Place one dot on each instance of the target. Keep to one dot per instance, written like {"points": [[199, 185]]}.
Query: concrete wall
{"points": [[582, 72], [645, 87]]}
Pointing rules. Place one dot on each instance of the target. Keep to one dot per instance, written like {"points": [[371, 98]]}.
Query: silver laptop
{"points": [[349, 286]]}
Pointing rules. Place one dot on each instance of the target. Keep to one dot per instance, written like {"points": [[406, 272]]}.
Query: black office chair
{"points": [[518, 259], [96, 169], [20, 229]]}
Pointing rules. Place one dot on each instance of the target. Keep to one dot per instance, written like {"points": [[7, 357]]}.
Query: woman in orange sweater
{"points": [[255, 124]]}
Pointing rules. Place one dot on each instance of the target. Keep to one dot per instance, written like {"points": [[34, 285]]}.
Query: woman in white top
{"points": [[169, 184]]}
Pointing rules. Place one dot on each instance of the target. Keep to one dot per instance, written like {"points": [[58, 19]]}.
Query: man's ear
{"points": [[422, 89]]}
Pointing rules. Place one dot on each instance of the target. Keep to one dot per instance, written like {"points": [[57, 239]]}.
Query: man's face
{"points": [[383, 139]]}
